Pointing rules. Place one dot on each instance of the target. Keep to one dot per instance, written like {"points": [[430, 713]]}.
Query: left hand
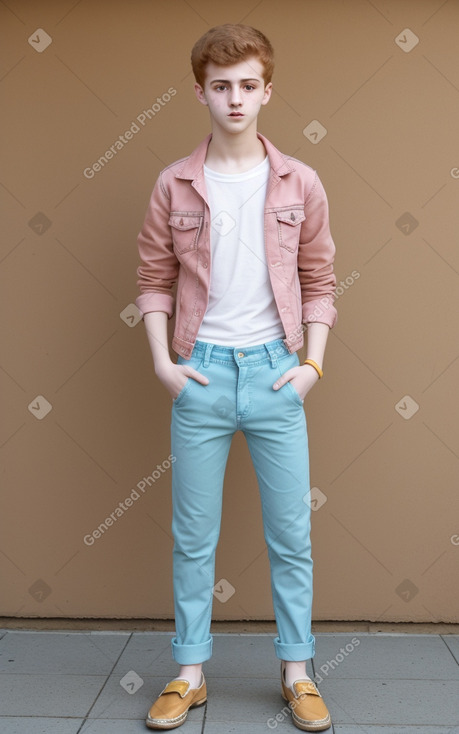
{"points": [[302, 378]]}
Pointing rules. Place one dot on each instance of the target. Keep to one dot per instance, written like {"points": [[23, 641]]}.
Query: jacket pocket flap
{"points": [[184, 222], [291, 216]]}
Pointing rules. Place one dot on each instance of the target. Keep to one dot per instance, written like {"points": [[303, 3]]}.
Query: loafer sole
{"points": [[172, 723], [304, 725]]}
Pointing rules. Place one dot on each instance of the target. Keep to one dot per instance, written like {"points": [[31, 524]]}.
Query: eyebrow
{"points": [[227, 81]]}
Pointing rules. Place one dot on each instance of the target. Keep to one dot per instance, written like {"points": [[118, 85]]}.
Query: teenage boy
{"points": [[243, 229]]}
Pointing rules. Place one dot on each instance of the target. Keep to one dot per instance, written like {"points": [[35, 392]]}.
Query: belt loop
{"points": [[207, 353], [272, 355], [275, 352]]}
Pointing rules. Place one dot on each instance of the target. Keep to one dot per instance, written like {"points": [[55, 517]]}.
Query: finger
{"points": [[285, 377], [198, 376]]}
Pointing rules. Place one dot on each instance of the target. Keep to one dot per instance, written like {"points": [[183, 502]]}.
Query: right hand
{"points": [[174, 376]]}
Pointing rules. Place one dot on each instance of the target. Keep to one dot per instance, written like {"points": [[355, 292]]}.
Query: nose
{"points": [[235, 97]]}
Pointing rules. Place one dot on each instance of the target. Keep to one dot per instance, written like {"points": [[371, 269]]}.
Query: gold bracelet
{"points": [[315, 365]]}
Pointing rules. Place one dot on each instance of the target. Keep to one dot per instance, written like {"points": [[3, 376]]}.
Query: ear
{"points": [[267, 94], [200, 94]]}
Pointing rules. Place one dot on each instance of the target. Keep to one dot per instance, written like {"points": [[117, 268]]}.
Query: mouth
{"points": [[235, 114]]}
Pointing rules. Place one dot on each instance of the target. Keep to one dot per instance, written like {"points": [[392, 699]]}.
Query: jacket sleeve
{"points": [[316, 253], [159, 269]]}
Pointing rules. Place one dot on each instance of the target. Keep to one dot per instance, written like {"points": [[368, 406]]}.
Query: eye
{"points": [[249, 87]]}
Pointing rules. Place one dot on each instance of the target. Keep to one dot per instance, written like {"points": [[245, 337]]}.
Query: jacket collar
{"points": [[193, 165]]}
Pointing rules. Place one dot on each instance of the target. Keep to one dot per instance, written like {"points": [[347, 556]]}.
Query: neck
{"points": [[234, 152]]}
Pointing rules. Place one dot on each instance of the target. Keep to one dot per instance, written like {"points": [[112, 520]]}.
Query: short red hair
{"points": [[229, 44]]}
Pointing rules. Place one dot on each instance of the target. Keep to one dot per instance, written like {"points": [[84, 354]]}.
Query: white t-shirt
{"points": [[241, 309]]}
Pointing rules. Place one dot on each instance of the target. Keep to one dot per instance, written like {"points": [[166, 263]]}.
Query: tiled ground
{"points": [[59, 682]]}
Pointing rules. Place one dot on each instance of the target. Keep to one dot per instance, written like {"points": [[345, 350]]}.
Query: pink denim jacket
{"points": [[174, 247]]}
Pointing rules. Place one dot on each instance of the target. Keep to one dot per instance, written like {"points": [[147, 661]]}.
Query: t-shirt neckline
{"points": [[254, 171]]}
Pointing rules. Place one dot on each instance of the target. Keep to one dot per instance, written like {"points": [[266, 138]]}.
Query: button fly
{"points": [[240, 354]]}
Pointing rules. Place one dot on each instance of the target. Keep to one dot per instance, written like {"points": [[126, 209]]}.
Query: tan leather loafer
{"points": [[308, 708], [171, 707]]}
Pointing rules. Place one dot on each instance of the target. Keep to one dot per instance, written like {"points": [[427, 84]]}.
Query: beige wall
{"points": [[385, 540]]}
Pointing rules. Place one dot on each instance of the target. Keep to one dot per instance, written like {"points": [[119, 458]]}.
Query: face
{"points": [[234, 94]]}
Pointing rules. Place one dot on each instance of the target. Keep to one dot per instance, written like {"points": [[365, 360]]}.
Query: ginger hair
{"points": [[229, 44]]}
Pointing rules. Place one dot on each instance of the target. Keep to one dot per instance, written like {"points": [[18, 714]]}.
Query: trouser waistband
{"points": [[243, 356]]}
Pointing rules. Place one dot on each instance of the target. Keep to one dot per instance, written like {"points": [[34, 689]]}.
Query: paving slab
{"points": [[38, 725], [339, 729], [119, 702], [61, 652], [240, 727], [48, 695], [149, 654], [233, 656], [131, 726], [386, 684], [393, 656], [392, 702], [237, 700], [452, 643], [244, 656]]}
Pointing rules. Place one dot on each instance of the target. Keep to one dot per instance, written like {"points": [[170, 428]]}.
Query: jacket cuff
{"points": [[321, 310], [147, 302]]}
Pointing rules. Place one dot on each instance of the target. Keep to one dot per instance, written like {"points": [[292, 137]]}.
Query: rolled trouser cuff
{"points": [[191, 654], [299, 652]]}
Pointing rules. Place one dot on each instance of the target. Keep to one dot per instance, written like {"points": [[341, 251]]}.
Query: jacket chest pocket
{"points": [[288, 227], [185, 230]]}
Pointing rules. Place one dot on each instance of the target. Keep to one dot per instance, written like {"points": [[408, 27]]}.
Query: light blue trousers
{"points": [[239, 396]]}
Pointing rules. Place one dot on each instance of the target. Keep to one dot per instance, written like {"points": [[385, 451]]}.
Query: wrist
{"points": [[162, 364], [312, 363]]}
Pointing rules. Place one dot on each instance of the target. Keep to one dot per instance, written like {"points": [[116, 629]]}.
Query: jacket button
{"points": [[204, 265], [197, 313]]}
